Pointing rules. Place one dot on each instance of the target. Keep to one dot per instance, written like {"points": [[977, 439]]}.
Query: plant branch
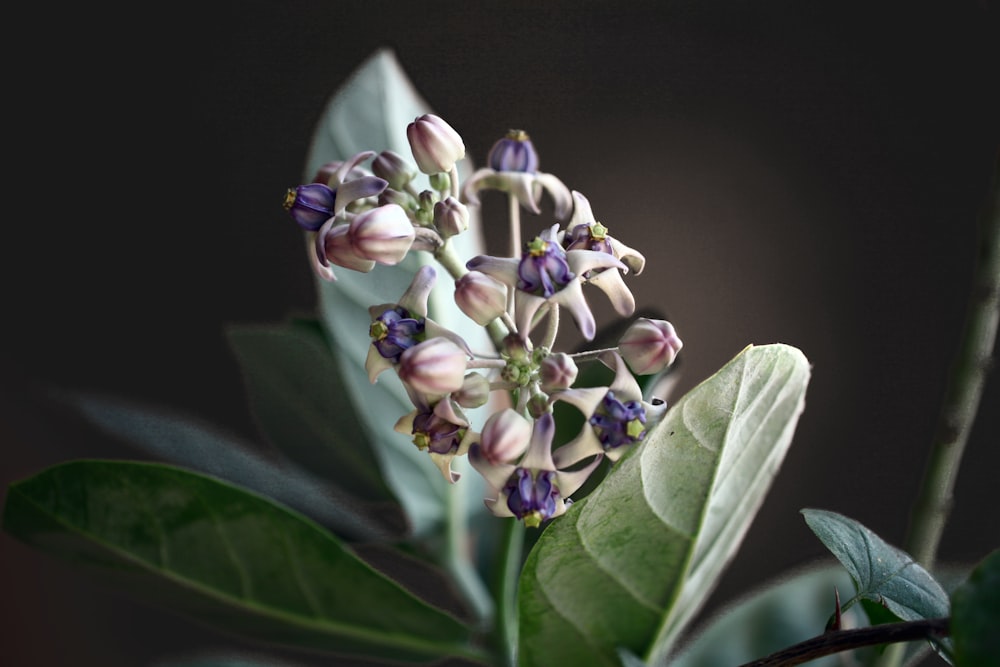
{"points": [[965, 388], [837, 641]]}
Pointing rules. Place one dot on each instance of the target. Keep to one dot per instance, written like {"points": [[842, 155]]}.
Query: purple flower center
{"points": [[532, 497], [543, 270], [436, 434], [514, 152], [395, 331], [618, 424], [589, 237], [310, 205]]}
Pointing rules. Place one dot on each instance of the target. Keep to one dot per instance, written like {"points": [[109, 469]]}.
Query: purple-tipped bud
{"points": [[451, 217], [393, 168], [481, 298], [382, 234], [435, 366], [649, 346], [474, 393], [557, 371], [514, 152], [435, 144], [310, 205], [505, 437]]}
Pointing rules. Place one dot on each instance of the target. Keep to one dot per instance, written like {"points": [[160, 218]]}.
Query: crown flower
{"points": [[617, 417], [514, 169], [441, 430], [534, 490], [546, 273]]}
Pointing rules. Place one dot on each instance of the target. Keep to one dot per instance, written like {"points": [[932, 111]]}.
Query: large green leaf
{"points": [[976, 615], [184, 440], [629, 566], [297, 395], [881, 572], [228, 557], [371, 112]]}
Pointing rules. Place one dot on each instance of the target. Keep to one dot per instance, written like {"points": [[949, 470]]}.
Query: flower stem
{"points": [[965, 388], [515, 225], [505, 591], [837, 641]]}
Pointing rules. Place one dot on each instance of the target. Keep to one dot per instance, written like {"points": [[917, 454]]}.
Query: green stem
{"points": [[515, 225], [965, 388], [505, 591]]}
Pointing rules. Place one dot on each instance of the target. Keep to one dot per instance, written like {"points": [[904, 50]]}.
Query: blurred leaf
{"points": [[186, 441], [630, 565], [298, 397], [371, 112], [975, 616], [881, 572], [227, 557], [779, 614]]}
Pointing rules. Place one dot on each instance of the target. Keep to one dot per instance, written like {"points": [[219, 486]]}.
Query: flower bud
{"points": [[451, 217], [310, 205], [474, 393], [333, 245], [649, 346], [435, 144], [435, 366], [382, 234], [393, 168], [514, 152], [480, 297], [557, 371], [505, 437]]}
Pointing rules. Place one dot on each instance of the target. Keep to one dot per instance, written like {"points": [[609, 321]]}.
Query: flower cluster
{"points": [[356, 217]]}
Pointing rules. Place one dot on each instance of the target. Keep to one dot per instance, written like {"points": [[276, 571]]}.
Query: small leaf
{"points": [[228, 557], [975, 616], [630, 565], [881, 572], [186, 441]]}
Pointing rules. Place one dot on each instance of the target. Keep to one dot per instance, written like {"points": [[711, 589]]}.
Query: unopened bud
{"points": [[505, 436], [393, 168], [435, 144], [474, 393], [435, 366], [557, 371], [451, 217], [649, 346], [382, 234], [481, 297]]}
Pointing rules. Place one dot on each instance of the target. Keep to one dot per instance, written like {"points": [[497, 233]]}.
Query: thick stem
{"points": [[965, 388], [505, 591], [845, 640], [515, 225]]}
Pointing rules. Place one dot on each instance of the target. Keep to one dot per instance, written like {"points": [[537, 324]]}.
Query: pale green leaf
{"points": [[371, 112], [630, 565], [227, 557]]}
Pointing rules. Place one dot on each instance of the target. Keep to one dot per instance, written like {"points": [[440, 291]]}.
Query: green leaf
{"points": [[188, 442], [371, 112], [880, 571], [297, 396], [630, 565], [975, 616], [779, 614], [228, 557]]}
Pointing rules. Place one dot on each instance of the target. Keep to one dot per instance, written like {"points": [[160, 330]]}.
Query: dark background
{"points": [[800, 172]]}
